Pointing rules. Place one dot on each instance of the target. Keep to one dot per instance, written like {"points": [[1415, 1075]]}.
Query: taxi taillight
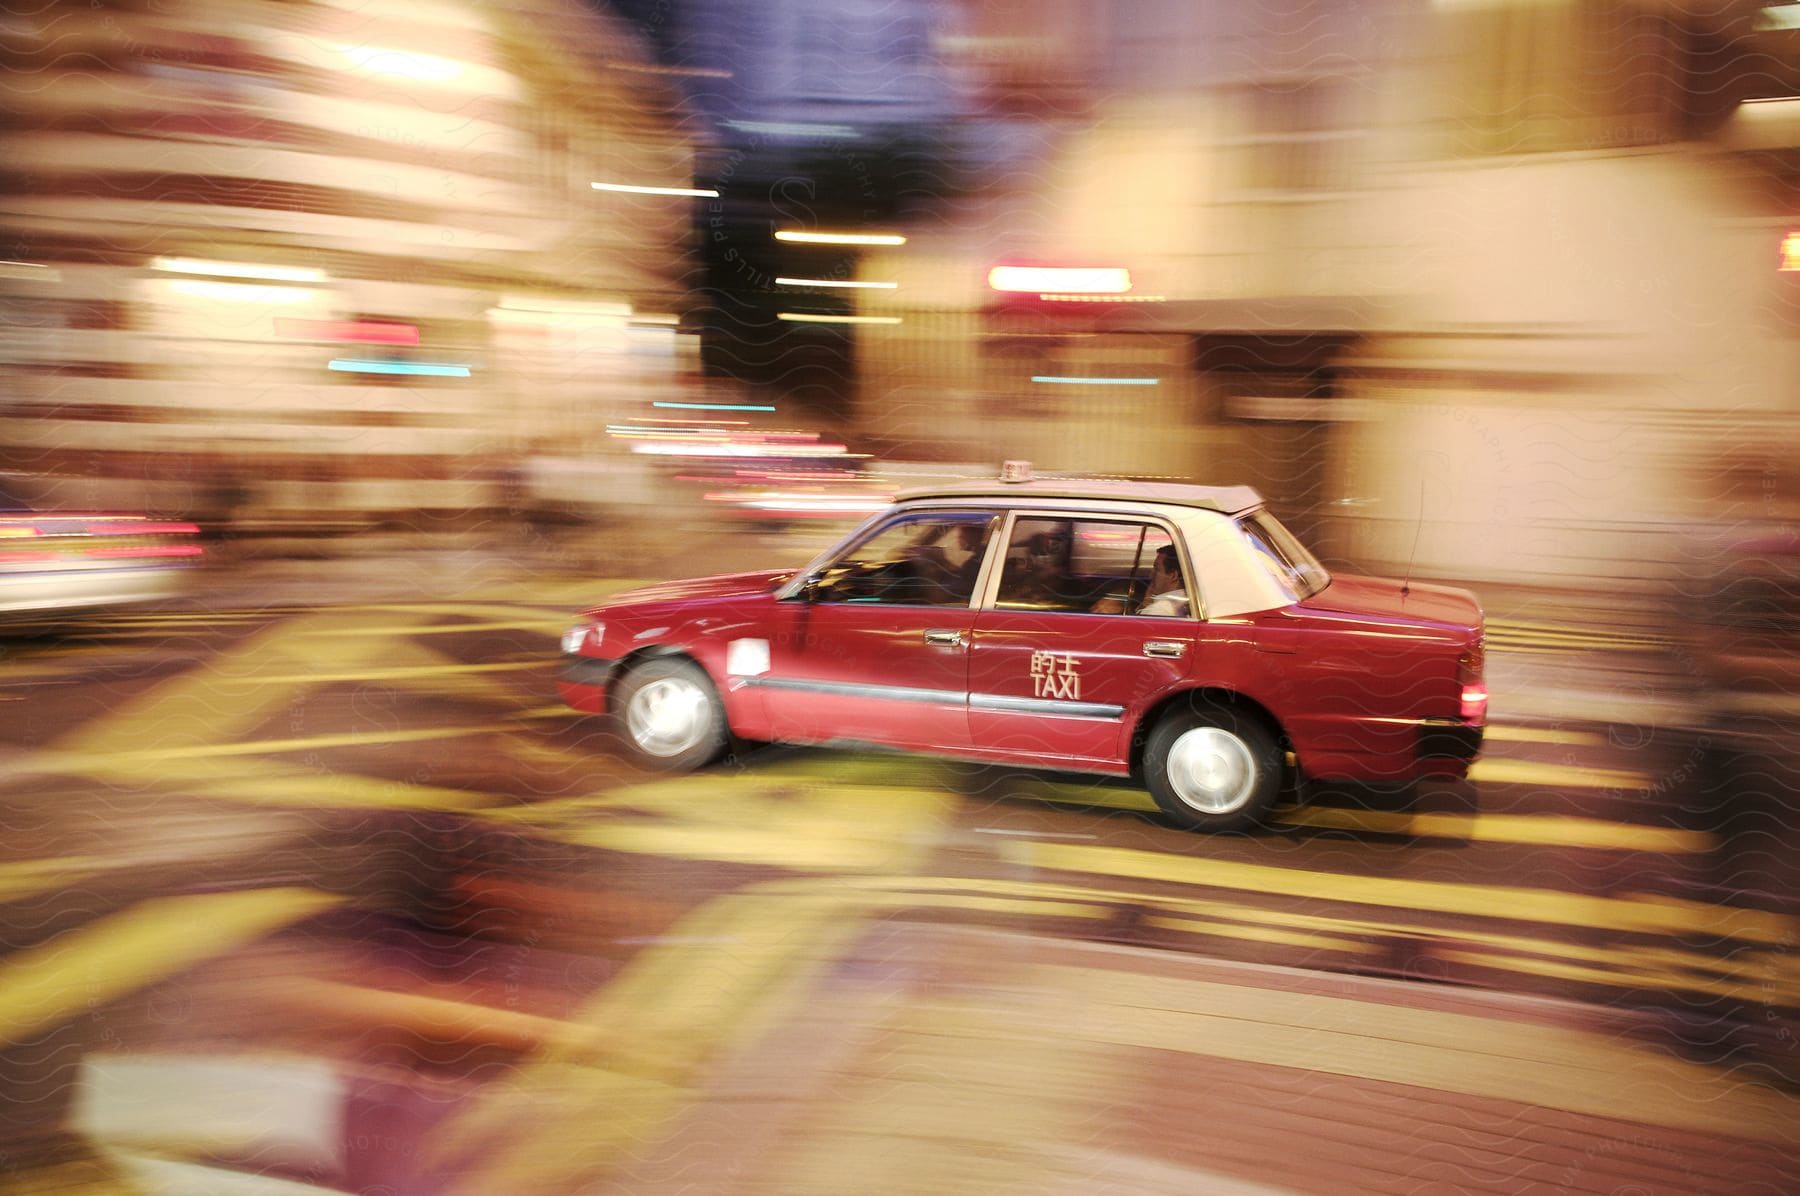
{"points": [[1474, 701]]}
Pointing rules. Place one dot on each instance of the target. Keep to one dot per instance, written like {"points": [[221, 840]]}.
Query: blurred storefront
{"points": [[333, 259], [1486, 283]]}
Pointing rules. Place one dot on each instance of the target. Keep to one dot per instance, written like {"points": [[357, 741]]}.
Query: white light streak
{"points": [[833, 282], [401, 64], [633, 189], [811, 238], [194, 265], [803, 318]]}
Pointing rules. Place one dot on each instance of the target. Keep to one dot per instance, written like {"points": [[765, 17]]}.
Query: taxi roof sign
{"points": [[1015, 471]]}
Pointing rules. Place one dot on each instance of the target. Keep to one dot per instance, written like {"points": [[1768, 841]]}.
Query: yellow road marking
{"points": [[1545, 1066], [642, 1044], [1101, 797], [779, 824], [430, 1017], [23, 878], [104, 960], [408, 629], [192, 711], [1263, 934], [1637, 915], [1640, 978], [329, 790], [480, 610], [1494, 828], [1631, 964], [1509, 733], [66, 762], [1502, 771], [1548, 829], [395, 674]]}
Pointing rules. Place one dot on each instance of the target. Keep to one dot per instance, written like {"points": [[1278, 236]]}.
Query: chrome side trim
{"points": [[1005, 704], [996, 703], [851, 689]]}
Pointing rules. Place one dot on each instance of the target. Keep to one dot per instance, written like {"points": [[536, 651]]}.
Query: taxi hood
{"points": [[1388, 597], [725, 585]]}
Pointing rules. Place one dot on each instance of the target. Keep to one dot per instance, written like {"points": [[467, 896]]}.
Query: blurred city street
{"points": [[1351, 396], [513, 963]]}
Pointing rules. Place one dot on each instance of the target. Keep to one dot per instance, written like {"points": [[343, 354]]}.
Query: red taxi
{"points": [[1178, 634]]}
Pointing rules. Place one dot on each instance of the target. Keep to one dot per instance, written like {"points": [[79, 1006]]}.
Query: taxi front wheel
{"points": [[669, 715], [1213, 768]]}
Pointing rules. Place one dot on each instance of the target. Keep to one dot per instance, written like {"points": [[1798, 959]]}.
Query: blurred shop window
{"points": [[1560, 77], [210, 88]]}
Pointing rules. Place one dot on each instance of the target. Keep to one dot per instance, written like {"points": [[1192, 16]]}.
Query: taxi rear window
{"points": [[1286, 560]]}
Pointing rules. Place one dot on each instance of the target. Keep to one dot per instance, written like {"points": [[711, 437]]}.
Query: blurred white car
{"points": [[52, 565]]}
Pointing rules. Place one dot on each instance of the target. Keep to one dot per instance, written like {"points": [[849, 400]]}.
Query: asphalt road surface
{"points": [[362, 837]]}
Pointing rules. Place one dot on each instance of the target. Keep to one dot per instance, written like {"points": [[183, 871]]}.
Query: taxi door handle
{"points": [[1164, 648], [951, 638]]}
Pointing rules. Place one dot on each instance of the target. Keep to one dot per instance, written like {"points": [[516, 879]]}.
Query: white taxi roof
{"points": [[1226, 500]]}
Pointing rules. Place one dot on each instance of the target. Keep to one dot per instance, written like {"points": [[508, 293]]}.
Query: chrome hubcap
{"points": [[1211, 770], [668, 716]]}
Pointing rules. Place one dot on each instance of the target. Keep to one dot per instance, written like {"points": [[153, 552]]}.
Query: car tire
{"points": [[668, 715], [1212, 767]]}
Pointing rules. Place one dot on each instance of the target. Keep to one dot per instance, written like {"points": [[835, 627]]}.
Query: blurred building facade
{"points": [[1486, 283], [343, 254]]}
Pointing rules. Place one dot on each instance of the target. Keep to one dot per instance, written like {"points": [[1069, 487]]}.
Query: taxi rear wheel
{"points": [[669, 716], [1213, 768]]}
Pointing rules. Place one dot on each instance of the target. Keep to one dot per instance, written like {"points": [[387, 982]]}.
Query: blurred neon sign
{"points": [[1790, 250], [374, 332]]}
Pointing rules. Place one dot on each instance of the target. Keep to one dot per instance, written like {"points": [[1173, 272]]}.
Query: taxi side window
{"points": [[925, 559], [1091, 566]]}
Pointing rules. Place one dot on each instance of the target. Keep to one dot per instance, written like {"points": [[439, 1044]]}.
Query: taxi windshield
{"points": [[1286, 559]]}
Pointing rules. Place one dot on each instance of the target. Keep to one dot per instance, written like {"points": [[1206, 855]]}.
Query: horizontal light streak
{"points": [[194, 265], [401, 64], [685, 423], [152, 550], [715, 406], [428, 369], [832, 282], [791, 128], [1064, 380], [688, 72], [35, 271], [813, 238], [796, 317], [367, 331], [1108, 298], [685, 449], [143, 529], [634, 189], [1097, 280]]}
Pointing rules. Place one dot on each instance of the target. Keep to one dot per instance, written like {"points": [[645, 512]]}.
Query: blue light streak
{"points": [[429, 369]]}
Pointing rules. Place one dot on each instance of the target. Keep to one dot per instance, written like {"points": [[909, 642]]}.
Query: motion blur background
{"points": [[1511, 289], [443, 319]]}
